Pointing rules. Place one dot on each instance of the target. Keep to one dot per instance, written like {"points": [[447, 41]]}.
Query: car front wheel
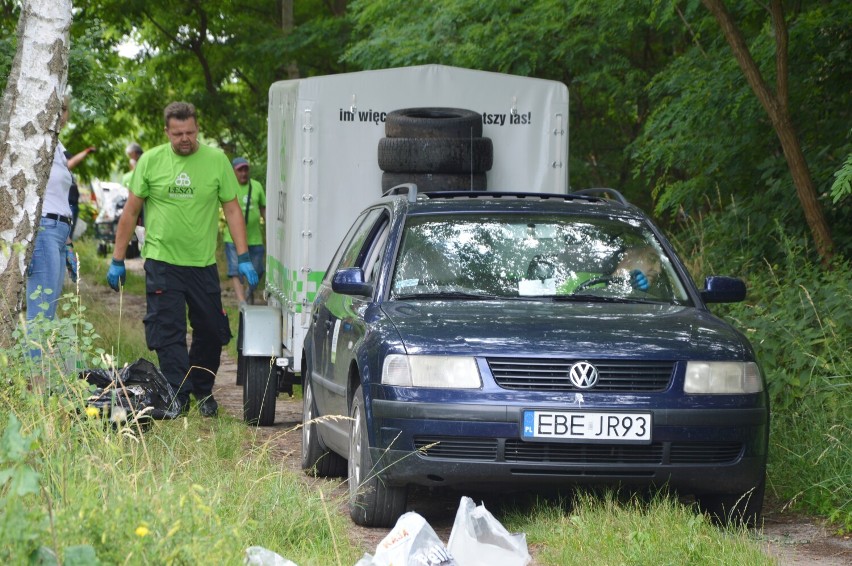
{"points": [[372, 503], [734, 509]]}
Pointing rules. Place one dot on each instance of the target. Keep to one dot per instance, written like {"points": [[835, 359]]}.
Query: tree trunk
{"points": [[29, 124], [776, 106], [288, 22]]}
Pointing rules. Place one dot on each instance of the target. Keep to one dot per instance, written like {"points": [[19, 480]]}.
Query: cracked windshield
{"points": [[564, 257]]}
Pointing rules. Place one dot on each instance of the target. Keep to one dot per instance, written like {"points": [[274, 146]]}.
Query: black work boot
{"points": [[208, 407]]}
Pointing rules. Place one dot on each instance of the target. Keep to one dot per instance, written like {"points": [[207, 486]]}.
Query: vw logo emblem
{"points": [[583, 375]]}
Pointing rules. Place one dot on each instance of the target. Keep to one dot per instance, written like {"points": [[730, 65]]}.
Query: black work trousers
{"points": [[171, 290]]}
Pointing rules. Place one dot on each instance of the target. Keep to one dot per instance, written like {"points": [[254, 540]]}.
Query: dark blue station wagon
{"points": [[516, 340]]}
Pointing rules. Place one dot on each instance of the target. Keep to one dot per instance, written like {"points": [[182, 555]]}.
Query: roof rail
{"points": [[409, 189], [461, 194], [603, 192]]}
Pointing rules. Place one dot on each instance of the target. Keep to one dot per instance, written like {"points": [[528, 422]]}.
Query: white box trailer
{"points": [[323, 170]]}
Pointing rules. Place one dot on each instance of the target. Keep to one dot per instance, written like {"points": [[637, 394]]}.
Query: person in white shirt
{"points": [[53, 248]]}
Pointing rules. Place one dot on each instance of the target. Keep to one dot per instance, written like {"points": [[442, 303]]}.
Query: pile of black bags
{"points": [[138, 391]]}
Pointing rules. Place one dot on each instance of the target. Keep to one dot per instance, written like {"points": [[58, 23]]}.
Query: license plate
{"points": [[587, 426]]}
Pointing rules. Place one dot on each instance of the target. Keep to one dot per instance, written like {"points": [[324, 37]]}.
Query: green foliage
{"points": [[708, 133], [19, 485], [842, 186], [799, 319]]}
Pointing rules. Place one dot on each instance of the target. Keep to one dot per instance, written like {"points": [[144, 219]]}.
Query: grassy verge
{"points": [[604, 530], [76, 489]]}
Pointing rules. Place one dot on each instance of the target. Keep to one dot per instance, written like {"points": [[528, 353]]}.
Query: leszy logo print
{"points": [[182, 187]]}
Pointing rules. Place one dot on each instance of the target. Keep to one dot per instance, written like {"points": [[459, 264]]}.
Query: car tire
{"points": [[435, 155], [742, 509], [260, 388], [372, 503], [436, 181], [317, 460], [433, 123]]}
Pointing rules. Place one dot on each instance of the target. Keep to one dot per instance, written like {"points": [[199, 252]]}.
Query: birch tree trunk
{"points": [[29, 124]]}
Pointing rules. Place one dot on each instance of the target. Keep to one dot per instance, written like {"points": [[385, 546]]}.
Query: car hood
{"points": [[593, 330]]}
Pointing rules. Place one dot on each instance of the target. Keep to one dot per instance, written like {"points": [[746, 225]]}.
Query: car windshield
{"points": [[562, 257]]}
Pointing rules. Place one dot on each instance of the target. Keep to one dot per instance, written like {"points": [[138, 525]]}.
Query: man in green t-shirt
{"points": [[252, 200], [181, 185]]}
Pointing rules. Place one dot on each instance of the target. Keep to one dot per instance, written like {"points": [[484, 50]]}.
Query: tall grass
{"points": [[798, 316], [605, 530], [78, 489]]}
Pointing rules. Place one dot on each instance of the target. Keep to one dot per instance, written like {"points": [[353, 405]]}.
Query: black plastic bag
{"points": [[139, 390]]}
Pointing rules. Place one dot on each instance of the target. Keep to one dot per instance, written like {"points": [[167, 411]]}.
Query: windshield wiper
{"points": [[588, 298], [450, 295]]}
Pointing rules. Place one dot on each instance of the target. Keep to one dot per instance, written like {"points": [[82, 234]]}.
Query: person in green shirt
{"points": [[181, 184], [252, 200]]}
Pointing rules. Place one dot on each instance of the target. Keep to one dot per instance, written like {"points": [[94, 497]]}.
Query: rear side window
{"points": [[351, 252]]}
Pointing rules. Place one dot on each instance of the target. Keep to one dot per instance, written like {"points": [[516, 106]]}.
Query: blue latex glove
{"points": [[71, 261], [247, 269], [116, 275], [638, 280]]}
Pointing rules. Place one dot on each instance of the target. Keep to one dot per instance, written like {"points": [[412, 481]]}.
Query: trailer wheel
{"points": [[436, 181], [433, 123], [435, 155], [260, 388]]}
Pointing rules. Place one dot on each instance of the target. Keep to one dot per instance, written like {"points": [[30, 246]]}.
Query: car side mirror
{"points": [[350, 281], [718, 289]]}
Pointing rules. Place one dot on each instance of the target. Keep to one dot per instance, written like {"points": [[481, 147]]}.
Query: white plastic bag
{"points": [[412, 542], [478, 539], [259, 556]]}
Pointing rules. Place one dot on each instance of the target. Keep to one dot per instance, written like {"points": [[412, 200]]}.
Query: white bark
{"points": [[29, 123]]}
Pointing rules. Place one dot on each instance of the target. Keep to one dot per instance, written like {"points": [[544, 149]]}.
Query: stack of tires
{"points": [[438, 149]]}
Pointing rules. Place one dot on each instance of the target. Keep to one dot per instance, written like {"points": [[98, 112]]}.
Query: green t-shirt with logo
{"points": [[182, 198], [254, 232]]}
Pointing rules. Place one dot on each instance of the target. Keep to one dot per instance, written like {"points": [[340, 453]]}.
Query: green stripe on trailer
{"points": [[288, 289]]}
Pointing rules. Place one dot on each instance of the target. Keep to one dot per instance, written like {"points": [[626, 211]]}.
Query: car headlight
{"points": [[722, 377], [449, 372]]}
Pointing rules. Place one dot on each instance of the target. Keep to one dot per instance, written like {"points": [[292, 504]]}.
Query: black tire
{"points": [[433, 123], [436, 181], [372, 503], [433, 155], [740, 509], [317, 460], [260, 389]]}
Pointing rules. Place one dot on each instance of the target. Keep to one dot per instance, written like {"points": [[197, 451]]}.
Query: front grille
{"points": [[552, 374], [455, 448], [705, 452], [518, 451], [514, 450]]}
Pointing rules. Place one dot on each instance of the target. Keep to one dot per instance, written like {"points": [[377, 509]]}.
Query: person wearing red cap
{"points": [[252, 199]]}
